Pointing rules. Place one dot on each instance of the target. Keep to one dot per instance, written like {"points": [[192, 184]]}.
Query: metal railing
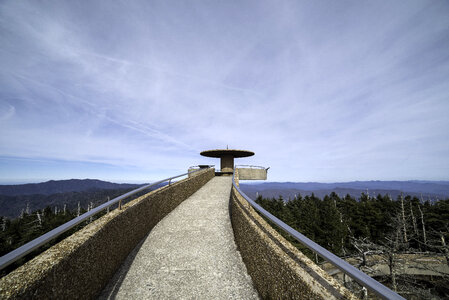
{"points": [[201, 166], [20, 252], [252, 167], [363, 279]]}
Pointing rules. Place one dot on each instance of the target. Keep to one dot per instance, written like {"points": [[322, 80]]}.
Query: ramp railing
{"points": [[20, 252], [362, 278]]}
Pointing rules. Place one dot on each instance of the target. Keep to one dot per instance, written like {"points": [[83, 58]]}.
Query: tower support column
{"points": [[227, 163]]}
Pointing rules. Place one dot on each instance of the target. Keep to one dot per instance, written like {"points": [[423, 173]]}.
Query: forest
{"points": [[32, 223], [346, 226], [372, 225]]}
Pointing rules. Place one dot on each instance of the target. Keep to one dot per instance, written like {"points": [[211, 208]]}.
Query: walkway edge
{"points": [[82, 264], [277, 268]]}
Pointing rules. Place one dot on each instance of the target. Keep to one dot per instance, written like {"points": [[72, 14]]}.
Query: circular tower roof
{"points": [[227, 152]]}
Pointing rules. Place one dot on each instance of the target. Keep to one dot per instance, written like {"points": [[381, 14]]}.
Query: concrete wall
{"points": [[252, 174], [278, 269], [82, 264]]}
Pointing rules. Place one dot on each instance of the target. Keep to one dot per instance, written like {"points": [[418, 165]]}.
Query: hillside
{"points": [[56, 193], [60, 186]]}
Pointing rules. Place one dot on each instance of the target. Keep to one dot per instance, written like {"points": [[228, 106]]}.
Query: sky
{"points": [[129, 91]]}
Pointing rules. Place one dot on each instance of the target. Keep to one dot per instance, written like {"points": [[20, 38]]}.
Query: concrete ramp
{"points": [[190, 254]]}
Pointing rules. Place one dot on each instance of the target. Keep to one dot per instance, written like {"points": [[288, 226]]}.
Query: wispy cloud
{"points": [[320, 91]]}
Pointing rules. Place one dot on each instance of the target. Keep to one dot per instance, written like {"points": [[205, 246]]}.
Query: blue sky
{"points": [[134, 90]]}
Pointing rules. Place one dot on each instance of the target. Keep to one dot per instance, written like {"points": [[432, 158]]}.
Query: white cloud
{"points": [[319, 92]]}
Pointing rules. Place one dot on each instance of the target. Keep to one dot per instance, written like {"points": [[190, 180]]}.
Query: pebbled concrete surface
{"points": [[190, 254], [82, 264], [278, 269]]}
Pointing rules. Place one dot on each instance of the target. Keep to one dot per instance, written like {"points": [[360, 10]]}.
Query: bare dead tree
{"points": [[388, 250], [404, 230], [444, 247], [391, 249], [423, 224], [401, 260], [343, 250], [415, 225], [394, 242], [364, 293], [39, 219]]}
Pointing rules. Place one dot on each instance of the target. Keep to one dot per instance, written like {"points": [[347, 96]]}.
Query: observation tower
{"points": [[227, 157]]}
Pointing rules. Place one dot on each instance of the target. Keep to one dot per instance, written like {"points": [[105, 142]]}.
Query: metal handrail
{"points": [[199, 166], [251, 166], [20, 252], [350, 270]]}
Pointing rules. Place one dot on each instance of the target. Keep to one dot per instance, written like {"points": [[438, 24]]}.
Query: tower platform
{"points": [[227, 158]]}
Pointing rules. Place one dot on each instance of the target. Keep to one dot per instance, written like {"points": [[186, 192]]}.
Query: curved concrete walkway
{"points": [[190, 254]]}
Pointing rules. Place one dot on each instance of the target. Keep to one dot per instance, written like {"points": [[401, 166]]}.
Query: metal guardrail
{"points": [[20, 252], [201, 167], [252, 167], [363, 279]]}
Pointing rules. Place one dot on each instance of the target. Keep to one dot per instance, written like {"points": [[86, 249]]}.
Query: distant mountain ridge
{"points": [[61, 186], [14, 199], [431, 190]]}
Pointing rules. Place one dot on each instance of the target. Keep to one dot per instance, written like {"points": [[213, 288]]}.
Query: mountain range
{"points": [[427, 190], [15, 199], [57, 193], [61, 186]]}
